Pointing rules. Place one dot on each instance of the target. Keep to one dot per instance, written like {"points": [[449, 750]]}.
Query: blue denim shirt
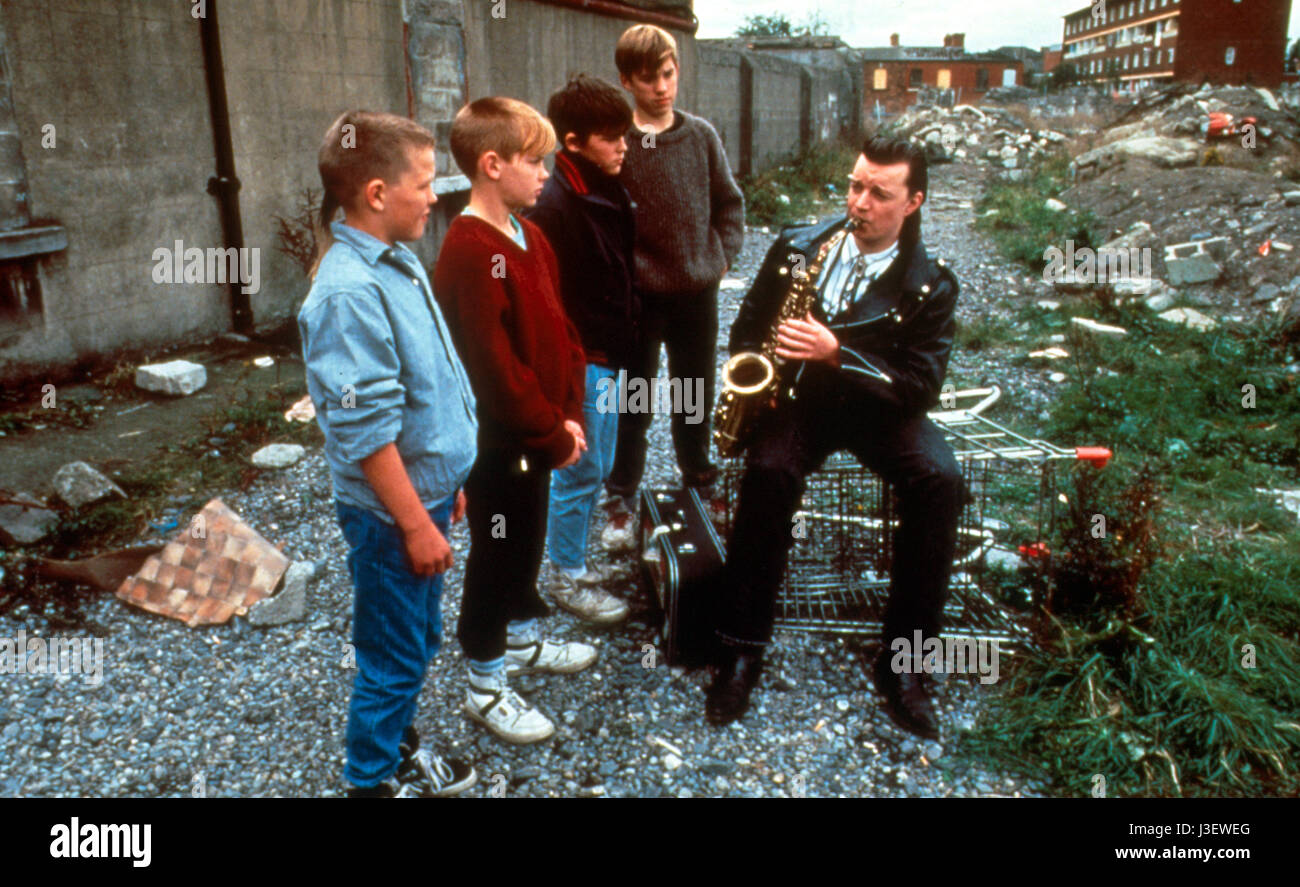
{"points": [[381, 369]]}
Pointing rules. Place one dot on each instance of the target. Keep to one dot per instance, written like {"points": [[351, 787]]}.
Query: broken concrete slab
{"points": [[1054, 205], [1093, 326], [1287, 499], [24, 519], [1159, 150], [1138, 235], [1158, 302], [1189, 317], [177, 377], [278, 455], [1194, 269], [289, 604], [78, 484]]}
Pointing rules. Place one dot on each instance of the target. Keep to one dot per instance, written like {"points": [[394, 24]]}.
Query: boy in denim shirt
{"points": [[397, 411]]}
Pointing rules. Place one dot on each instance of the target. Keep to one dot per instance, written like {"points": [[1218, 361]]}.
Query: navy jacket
{"points": [[902, 327], [588, 219]]}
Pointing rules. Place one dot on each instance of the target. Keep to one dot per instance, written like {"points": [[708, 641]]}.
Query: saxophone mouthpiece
{"points": [[852, 224]]}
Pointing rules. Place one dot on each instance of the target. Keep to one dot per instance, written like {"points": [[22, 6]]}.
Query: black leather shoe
{"points": [[728, 697], [704, 477], [906, 700]]}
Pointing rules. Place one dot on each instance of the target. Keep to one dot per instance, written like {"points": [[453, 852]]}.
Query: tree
{"points": [[1063, 75], [775, 25], [778, 25]]}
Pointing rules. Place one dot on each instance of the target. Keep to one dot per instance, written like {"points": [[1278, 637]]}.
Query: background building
{"points": [[1137, 43], [893, 76]]}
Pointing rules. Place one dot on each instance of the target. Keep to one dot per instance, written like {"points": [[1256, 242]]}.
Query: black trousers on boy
{"points": [[794, 440], [686, 325], [507, 527]]}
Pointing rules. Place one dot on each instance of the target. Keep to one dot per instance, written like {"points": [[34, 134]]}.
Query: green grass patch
{"points": [[1015, 214], [1167, 654], [804, 188]]}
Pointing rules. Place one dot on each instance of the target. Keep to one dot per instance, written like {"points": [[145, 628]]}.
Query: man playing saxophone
{"points": [[856, 372]]}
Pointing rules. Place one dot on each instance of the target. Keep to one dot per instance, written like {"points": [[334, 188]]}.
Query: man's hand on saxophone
{"points": [[807, 339]]}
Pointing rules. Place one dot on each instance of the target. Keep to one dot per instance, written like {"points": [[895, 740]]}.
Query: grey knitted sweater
{"points": [[690, 214]]}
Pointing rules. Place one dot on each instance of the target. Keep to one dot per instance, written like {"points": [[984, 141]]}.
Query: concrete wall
{"points": [[131, 156], [531, 51], [124, 86], [771, 104], [719, 101], [292, 66]]}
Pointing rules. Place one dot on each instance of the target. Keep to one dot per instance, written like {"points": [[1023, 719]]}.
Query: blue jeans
{"points": [[576, 490], [396, 629]]}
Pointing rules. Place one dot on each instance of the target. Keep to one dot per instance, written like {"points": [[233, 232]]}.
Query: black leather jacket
{"points": [[901, 328]]}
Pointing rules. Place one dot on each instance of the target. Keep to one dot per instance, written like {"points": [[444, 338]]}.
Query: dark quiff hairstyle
{"points": [[360, 146], [888, 151], [589, 105]]}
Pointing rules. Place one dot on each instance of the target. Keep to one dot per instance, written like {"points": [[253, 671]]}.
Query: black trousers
{"points": [[686, 325], [507, 529], [794, 440]]}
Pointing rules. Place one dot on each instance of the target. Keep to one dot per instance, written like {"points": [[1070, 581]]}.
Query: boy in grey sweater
{"points": [[690, 225]]}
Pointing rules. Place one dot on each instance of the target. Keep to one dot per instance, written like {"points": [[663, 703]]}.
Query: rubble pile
{"points": [[1171, 127], [982, 135]]}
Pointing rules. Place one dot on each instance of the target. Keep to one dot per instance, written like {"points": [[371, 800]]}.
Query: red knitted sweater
{"points": [[521, 352]]}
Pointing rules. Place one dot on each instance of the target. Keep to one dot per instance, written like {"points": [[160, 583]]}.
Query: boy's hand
{"points": [[579, 443], [428, 550], [458, 510]]}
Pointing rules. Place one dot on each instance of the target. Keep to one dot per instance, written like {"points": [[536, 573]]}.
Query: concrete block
{"points": [[278, 455], [79, 484], [289, 604], [1199, 268], [179, 377]]}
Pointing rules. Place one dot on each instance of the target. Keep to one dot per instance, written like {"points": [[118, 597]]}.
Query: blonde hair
{"points": [[506, 126], [360, 146], [643, 48]]}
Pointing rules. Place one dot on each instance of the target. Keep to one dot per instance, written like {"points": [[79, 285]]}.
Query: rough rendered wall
{"points": [[124, 86], [132, 154], [719, 97], [776, 110]]}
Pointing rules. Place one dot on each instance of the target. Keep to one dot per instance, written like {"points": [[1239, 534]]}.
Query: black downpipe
{"points": [[225, 184]]}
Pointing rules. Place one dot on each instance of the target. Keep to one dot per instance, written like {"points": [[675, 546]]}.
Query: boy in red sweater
{"points": [[498, 283]]}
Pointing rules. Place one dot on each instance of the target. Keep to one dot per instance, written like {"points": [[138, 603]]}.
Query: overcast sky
{"points": [[987, 24]]}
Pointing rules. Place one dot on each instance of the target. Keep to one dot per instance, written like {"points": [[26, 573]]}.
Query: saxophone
{"points": [[749, 379]]}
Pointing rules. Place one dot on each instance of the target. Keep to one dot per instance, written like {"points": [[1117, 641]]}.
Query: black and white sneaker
{"points": [[421, 774], [430, 775]]}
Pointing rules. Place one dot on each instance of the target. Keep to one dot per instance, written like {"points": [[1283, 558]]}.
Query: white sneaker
{"points": [[584, 601], [618, 533], [530, 657], [493, 703]]}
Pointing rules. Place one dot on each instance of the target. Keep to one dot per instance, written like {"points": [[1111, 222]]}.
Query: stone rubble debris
{"points": [[176, 377], [78, 484]]}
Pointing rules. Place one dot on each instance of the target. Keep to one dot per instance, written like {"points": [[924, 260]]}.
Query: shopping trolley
{"points": [[837, 579]]}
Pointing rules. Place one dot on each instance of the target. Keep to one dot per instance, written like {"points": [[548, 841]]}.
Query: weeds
{"points": [[810, 184], [1015, 215]]}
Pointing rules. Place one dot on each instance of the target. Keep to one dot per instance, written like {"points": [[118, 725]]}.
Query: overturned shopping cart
{"points": [[838, 575]]}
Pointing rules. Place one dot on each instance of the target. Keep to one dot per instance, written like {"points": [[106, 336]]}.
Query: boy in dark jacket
{"points": [[587, 216]]}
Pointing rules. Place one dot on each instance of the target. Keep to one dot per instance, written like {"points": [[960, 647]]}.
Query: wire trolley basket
{"points": [[837, 579]]}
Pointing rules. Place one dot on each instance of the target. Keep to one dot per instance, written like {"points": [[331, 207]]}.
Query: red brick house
{"points": [[1138, 43], [892, 76]]}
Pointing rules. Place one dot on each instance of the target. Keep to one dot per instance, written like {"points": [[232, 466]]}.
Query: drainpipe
{"points": [[225, 184]]}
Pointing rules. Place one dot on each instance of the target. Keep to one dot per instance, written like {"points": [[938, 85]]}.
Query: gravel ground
{"points": [[241, 711]]}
